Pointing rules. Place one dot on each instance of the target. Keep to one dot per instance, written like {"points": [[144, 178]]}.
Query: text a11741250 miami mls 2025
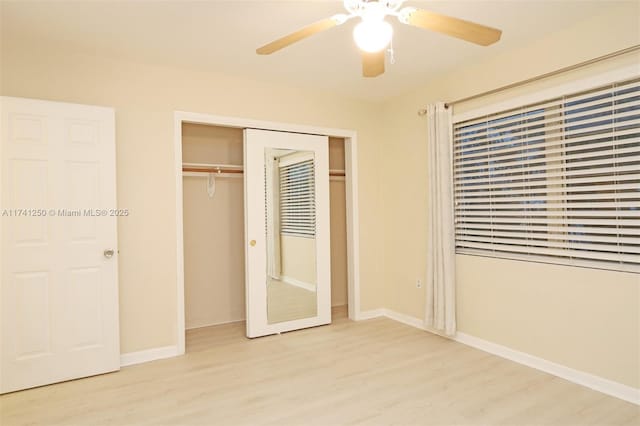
{"points": [[89, 212]]}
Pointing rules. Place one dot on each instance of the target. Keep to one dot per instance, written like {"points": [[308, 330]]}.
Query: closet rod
{"points": [[230, 170], [211, 170]]}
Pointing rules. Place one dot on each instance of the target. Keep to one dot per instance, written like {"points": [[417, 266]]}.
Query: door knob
{"points": [[108, 253], [252, 243]]}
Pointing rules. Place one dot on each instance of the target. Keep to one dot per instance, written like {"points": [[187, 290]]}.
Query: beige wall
{"points": [[213, 252], [145, 97], [212, 144], [338, 219], [581, 318], [336, 154], [213, 229], [298, 258], [587, 319], [337, 195]]}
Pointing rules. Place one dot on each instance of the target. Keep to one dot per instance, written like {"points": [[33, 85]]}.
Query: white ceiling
{"points": [[222, 36]]}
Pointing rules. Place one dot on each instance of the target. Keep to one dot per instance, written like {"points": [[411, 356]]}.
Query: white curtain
{"points": [[440, 284]]}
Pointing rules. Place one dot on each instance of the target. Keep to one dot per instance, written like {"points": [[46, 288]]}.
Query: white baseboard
{"points": [[591, 381], [147, 355], [405, 319], [215, 323], [373, 313], [297, 283]]}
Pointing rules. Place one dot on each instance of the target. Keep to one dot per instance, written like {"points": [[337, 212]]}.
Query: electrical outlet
{"points": [[418, 283]]}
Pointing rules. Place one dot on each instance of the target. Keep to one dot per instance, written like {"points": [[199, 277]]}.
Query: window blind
{"points": [[297, 199], [558, 181]]}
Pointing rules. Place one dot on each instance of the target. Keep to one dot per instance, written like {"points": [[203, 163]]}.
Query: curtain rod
{"points": [[542, 76]]}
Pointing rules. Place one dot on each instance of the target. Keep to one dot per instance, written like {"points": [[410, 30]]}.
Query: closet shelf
{"points": [[232, 169]]}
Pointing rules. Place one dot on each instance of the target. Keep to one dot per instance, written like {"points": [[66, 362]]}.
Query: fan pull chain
{"points": [[392, 56]]}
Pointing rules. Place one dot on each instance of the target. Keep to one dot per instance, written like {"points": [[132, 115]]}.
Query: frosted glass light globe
{"points": [[372, 35]]}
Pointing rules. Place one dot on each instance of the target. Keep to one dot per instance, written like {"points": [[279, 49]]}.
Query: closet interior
{"points": [[213, 222]]}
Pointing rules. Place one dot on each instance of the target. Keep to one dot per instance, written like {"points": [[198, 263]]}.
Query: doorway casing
{"points": [[351, 190]]}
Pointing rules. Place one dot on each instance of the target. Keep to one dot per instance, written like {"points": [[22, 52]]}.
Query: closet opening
{"points": [[338, 217], [211, 246], [213, 226]]}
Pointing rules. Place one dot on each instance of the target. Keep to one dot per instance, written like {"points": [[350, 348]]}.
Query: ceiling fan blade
{"points": [[372, 64], [465, 30], [294, 37]]}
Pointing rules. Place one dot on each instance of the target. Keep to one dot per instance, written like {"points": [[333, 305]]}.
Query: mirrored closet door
{"points": [[288, 275]]}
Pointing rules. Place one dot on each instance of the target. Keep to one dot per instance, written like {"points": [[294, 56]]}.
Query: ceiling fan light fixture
{"points": [[372, 35], [404, 15]]}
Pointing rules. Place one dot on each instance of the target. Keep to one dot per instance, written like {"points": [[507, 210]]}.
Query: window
{"points": [[558, 181], [297, 198]]}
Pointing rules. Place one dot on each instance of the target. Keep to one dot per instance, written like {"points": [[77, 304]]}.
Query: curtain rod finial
{"points": [[422, 112]]}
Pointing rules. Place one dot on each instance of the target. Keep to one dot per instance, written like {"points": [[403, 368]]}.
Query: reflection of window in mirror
{"points": [[297, 199], [291, 230]]}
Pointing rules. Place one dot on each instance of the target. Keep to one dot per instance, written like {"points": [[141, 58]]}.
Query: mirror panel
{"points": [[290, 205]]}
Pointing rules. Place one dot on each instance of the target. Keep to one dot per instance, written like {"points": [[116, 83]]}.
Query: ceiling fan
{"points": [[373, 34]]}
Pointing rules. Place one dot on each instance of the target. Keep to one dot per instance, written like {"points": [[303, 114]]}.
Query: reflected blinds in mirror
{"points": [[297, 199], [558, 181]]}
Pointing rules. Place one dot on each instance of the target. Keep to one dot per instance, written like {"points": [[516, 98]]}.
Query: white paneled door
{"points": [[59, 290]]}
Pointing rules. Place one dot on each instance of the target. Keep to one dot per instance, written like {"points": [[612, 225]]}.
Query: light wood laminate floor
{"points": [[376, 372], [286, 302]]}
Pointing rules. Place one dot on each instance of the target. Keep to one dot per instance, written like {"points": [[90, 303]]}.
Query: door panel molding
{"points": [[59, 316]]}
